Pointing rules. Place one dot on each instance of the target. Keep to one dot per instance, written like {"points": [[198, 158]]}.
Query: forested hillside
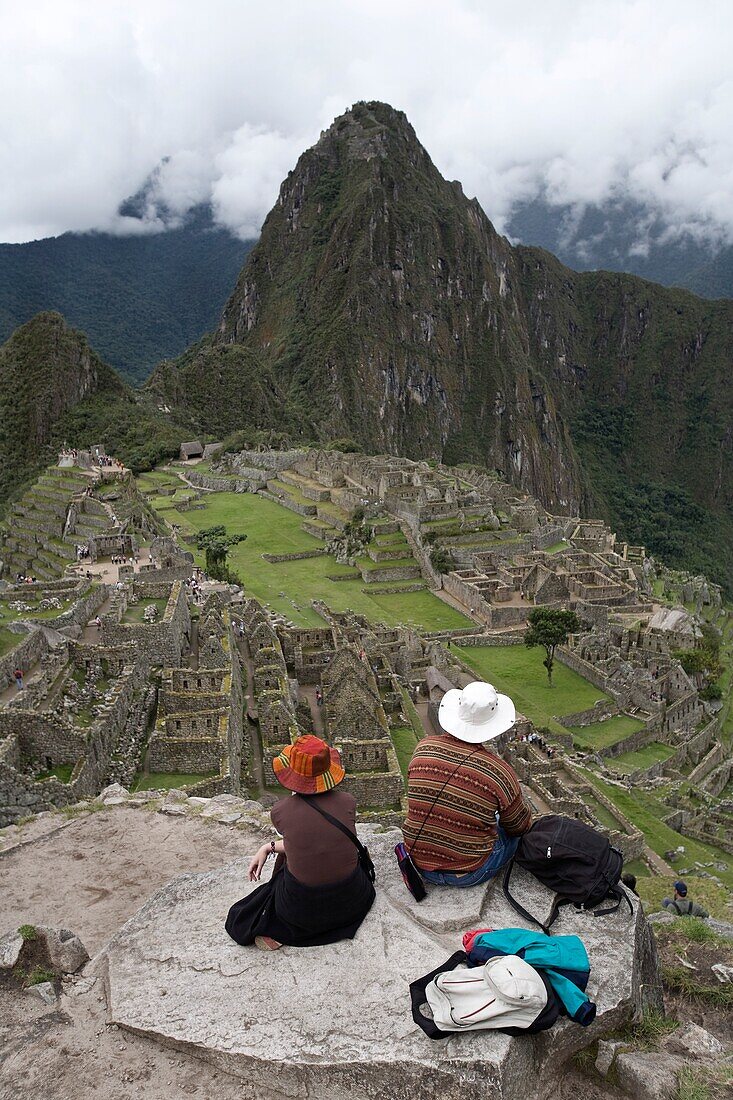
{"points": [[139, 299]]}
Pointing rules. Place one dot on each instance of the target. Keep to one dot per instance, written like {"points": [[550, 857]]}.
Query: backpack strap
{"points": [[520, 908], [620, 895], [364, 857], [417, 995], [613, 891]]}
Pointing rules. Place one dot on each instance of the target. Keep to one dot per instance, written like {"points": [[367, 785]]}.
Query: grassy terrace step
{"points": [[280, 488], [290, 587], [23, 531], [49, 494], [63, 549], [518, 672], [368, 565], [386, 554], [57, 561], [602, 734], [653, 753]]}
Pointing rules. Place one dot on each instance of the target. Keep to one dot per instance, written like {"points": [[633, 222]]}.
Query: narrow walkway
{"points": [[29, 675], [308, 692], [658, 865], [251, 727], [92, 633]]}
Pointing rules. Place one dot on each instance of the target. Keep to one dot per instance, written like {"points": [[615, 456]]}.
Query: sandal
{"points": [[266, 943]]}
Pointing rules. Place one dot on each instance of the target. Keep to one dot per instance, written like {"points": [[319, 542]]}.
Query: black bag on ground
{"points": [[575, 861]]}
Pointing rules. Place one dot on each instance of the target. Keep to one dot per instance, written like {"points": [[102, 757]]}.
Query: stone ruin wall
{"points": [[199, 728], [31, 649], [162, 642], [40, 736]]}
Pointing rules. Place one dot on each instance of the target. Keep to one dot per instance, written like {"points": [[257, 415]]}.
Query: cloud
{"points": [[580, 101]]}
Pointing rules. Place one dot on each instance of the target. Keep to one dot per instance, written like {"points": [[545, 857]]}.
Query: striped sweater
{"points": [[460, 829]]}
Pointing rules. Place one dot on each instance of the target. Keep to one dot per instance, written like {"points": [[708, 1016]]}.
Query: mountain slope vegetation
{"points": [[381, 305], [53, 390], [139, 298]]}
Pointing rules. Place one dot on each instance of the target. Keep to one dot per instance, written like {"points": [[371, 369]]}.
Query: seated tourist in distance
{"points": [[318, 892], [465, 806], [682, 905]]}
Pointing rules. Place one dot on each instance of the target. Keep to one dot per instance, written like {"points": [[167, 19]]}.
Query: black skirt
{"points": [[302, 916]]}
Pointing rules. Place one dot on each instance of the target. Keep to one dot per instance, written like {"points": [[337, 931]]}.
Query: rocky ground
{"points": [[90, 874], [92, 870]]}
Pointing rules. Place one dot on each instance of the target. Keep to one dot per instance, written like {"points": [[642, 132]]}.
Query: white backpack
{"points": [[504, 992]]}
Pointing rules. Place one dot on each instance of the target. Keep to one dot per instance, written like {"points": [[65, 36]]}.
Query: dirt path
{"points": [[93, 874], [308, 692], [90, 876], [29, 675]]}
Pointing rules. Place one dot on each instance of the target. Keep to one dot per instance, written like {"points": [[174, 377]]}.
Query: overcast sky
{"points": [[578, 100]]}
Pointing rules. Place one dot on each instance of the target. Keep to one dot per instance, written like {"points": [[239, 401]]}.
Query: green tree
{"points": [[216, 543], [441, 560], [549, 627], [703, 664]]}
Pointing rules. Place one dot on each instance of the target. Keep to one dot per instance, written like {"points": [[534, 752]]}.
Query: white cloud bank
{"points": [[579, 100]]}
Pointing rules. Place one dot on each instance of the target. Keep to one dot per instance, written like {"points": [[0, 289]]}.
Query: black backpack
{"points": [[573, 860]]}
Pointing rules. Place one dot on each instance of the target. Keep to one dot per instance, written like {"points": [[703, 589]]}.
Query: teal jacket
{"points": [[562, 959]]}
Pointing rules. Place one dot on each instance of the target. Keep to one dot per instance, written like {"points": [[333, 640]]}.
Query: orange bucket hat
{"points": [[308, 766]]}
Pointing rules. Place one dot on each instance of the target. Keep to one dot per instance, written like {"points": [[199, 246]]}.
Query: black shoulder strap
{"points": [[335, 821], [613, 891], [520, 908], [417, 993], [413, 846]]}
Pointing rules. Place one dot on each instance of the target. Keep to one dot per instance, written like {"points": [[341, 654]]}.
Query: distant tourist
{"points": [[318, 893], [18, 674], [682, 905], [466, 811], [319, 697]]}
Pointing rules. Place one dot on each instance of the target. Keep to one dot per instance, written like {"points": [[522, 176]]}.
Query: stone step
{"points": [[52, 560], [63, 549]]}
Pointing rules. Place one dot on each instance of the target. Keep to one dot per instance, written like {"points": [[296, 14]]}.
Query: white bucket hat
{"points": [[478, 713]]}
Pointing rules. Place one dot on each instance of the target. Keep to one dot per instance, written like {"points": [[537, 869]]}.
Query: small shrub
{"points": [[441, 559], [27, 932], [40, 974], [648, 1029], [705, 1083]]}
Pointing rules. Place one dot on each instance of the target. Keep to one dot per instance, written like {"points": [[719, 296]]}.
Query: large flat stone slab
{"points": [[334, 1022]]}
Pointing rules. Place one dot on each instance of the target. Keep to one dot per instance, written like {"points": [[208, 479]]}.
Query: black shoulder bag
{"points": [[411, 877], [365, 860]]}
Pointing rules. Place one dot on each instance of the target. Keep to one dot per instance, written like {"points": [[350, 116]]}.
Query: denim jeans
{"points": [[503, 850]]}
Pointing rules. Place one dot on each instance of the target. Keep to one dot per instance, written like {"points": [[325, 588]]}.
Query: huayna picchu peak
{"points": [[381, 306]]}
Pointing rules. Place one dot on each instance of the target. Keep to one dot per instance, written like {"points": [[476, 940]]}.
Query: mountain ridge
{"points": [[140, 297], [55, 390], [380, 304]]}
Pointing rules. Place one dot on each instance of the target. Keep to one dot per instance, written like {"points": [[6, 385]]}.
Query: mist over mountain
{"points": [[381, 305], [625, 236]]}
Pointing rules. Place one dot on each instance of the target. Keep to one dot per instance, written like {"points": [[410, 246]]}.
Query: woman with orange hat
{"points": [[320, 890]]}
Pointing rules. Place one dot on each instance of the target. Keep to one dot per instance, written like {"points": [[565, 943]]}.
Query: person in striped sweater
{"points": [[466, 811]]}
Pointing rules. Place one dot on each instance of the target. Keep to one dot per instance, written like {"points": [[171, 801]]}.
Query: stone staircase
{"points": [[43, 528]]}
